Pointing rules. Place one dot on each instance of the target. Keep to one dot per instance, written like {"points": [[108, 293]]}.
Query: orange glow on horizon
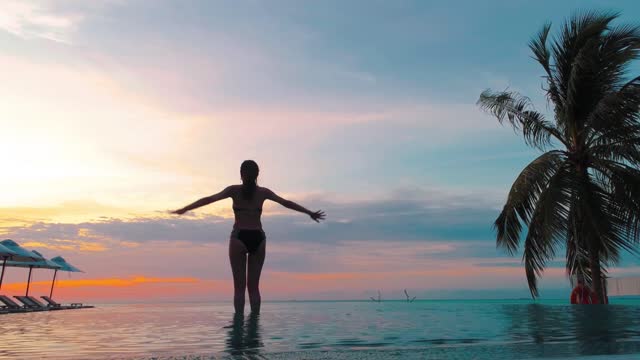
{"points": [[106, 282], [275, 285]]}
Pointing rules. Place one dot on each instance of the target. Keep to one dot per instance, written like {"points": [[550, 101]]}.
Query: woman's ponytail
{"points": [[249, 172]]}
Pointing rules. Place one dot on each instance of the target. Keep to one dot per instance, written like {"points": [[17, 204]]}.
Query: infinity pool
{"points": [[327, 330]]}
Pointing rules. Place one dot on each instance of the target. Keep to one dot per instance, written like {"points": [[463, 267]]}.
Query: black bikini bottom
{"points": [[250, 238]]}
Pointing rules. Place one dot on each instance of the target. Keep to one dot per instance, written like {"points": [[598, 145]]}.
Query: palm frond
{"points": [[622, 183], [618, 48], [621, 151], [577, 257], [568, 49], [616, 116], [604, 225], [597, 88], [541, 53], [548, 225], [577, 31], [576, 249], [518, 111], [583, 91], [524, 193]]}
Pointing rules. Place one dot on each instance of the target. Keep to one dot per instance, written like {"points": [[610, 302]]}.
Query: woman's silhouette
{"points": [[247, 243]]}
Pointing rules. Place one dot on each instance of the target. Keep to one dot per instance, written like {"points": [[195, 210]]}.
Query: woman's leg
{"points": [[238, 259], [255, 262]]}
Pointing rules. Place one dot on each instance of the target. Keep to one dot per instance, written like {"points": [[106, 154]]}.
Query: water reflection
{"points": [[590, 330], [460, 330], [601, 329], [244, 336]]}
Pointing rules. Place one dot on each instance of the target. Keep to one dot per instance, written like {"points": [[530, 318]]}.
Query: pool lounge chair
{"points": [[28, 303], [3, 308], [54, 304], [12, 306], [40, 304]]}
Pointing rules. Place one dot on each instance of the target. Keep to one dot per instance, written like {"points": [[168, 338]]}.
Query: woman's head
{"points": [[249, 173]]}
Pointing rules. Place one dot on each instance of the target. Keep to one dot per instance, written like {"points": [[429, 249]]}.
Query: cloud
{"points": [[65, 212], [368, 138], [198, 88], [67, 245], [54, 20], [416, 237], [404, 230], [33, 19], [518, 263], [405, 215]]}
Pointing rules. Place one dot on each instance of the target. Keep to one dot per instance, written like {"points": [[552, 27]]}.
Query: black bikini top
{"points": [[237, 209]]}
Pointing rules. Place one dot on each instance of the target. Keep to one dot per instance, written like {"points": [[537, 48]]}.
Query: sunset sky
{"points": [[114, 112]]}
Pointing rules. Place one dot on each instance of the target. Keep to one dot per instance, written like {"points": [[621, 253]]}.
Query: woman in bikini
{"points": [[247, 243]]}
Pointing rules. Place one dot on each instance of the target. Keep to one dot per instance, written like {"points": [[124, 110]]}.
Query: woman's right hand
{"points": [[318, 215]]}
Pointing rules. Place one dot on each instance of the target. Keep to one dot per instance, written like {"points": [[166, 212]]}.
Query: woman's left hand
{"points": [[318, 215]]}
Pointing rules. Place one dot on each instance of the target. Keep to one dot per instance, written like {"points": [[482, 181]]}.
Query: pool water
{"points": [[509, 329]]}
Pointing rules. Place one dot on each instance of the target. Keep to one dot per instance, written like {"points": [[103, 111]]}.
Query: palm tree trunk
{"points": [[596, 272], [593, 242]]}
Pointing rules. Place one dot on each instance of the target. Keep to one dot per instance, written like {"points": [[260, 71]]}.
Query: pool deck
{"points": [[5, 311]]}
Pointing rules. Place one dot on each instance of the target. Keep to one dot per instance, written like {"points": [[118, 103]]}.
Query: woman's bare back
{"points": [[248, 211]]}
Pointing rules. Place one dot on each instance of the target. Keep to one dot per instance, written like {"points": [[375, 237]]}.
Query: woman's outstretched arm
{"points": [[205, 201], [316, 216]]}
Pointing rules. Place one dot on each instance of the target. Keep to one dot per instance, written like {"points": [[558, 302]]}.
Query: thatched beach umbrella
{"points": [[64, 266], [10, 250], [41, 263]]}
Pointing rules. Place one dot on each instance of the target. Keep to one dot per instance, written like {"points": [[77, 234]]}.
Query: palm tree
{"points": [[583, 192]]}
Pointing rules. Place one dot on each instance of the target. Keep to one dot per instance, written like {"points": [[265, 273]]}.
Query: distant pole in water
{"points": [[379, 297], [407, 295]]}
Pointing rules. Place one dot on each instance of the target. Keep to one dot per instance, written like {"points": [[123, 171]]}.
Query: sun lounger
{"points": [[52, 303], [37, 302], [12, 306], [3, 308], [30, 304]]}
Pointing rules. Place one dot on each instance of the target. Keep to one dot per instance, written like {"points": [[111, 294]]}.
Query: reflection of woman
{"points": [[244, 339], [247, 237]]}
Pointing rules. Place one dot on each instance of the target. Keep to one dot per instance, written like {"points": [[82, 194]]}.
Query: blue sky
{"points": [[124, 109]]}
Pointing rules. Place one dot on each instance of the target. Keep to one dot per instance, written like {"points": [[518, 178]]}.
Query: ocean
{"points": [[427, 329]]}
